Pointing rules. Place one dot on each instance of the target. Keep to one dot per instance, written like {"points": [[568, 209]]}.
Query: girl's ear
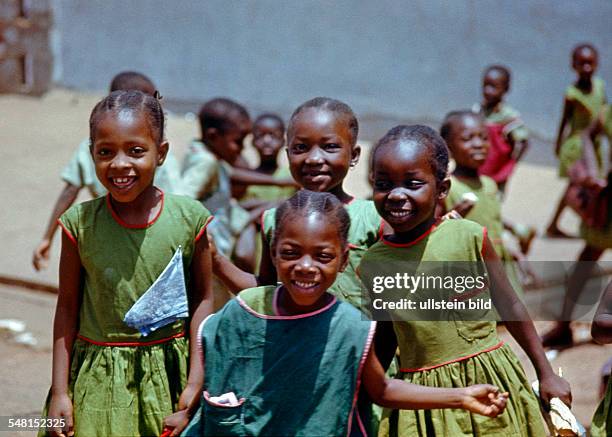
{"points": [[355, 154], [162, 152], [443, 188], [345, 259]]}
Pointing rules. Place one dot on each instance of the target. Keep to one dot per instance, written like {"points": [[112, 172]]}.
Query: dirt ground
{"points": [[38, 136]]}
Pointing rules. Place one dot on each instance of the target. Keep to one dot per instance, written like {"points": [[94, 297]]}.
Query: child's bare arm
{"points": [[65, 327], [520, 326], [63, 202], [520, 149], [394, 393], [201, 305], [567, 112], [252, 177], [602, 323], [588, 150]]}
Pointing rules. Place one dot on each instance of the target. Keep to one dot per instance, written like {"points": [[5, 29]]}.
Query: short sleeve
{"points": [[267, 224], [72, 172], [69, 222], [200, 176], [203, 218]]}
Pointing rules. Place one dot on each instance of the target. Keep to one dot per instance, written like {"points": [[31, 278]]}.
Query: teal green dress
{"points": [[459, 349], [587, 107], [120, 382], [365, 230], [292, 375], [486, 212]]}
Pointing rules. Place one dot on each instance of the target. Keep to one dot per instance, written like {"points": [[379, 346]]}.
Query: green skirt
{"points": [[601, 426], [125, 391], [499, 367], [571, 151]]}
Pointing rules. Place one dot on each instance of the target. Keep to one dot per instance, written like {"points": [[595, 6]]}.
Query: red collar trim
{"points": [[413, 242], [139, 225]]}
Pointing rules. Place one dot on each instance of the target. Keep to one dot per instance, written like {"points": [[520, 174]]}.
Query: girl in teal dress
{"points": [[289, 360], [582, 105], [321, 147], [134, 265], [456, 347]]}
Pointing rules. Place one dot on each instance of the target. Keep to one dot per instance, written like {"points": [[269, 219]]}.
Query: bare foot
{"points": [[559, 337]]}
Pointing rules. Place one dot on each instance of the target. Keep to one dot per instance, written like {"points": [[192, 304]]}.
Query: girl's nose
{"points": [[305, 264], [397, 194], [315, 157], [121, 160]]}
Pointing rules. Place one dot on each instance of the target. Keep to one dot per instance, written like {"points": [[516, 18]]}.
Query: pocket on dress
{"points": [[222, 419]]}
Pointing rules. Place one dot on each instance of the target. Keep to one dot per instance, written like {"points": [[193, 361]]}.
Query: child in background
{"points": [[507, 133], [80, 171], [209, 169], [321, 147], [583, 102], [410, 178], [601, 330], [475, 196], [268, 140], [110, 378], [597, 236], [308, 353]]}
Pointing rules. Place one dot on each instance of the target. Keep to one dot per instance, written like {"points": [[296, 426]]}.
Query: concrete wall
{"points": [[410, 60]]}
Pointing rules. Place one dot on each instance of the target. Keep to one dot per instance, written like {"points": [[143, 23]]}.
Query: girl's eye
{"points": [[325, 257], [103, 152], [414, 183], [331, 146], [298, 148], [382, 185], [137, 150], [288, 253]]}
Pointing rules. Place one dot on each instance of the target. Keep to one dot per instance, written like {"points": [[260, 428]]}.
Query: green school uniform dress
{"points": [[121, 383], [81, 172], [207, 179], [602, 237], [365, 230], [587, 107], [456, 351], [292, 375], [601, 425], [270, 193], [486, 212]]}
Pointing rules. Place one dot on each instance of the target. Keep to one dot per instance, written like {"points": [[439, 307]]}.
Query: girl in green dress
{"points": [[410, 178], [321, 147], [601, 426], [583, 103], [289, 360], [110, 379]]}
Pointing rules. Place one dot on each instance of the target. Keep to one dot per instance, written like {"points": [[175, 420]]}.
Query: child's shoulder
{"points": [[488, 184], [258, 299], [461, 227], [85, 209]]}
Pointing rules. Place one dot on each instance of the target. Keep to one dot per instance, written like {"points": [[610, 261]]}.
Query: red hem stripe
{"points": [[416, 240], [421, 369], [67, 232], [208, 220], [136, 226], [261, 224], [131, 343], [484, 240]]}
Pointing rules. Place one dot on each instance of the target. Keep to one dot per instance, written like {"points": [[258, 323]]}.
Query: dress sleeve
{"points": [[200, 178], [69, 222], [73, 172], [204, 218]]}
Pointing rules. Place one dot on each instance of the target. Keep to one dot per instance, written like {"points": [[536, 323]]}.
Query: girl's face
{"points": [[308, 255], [469, 142], [494, 86], [125, 154], [405, 187], [319, 150], [585, 63], [268, 138]]}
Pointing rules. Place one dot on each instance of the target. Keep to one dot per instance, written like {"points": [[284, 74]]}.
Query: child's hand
{"points": [[484, 399], [40, 258], [61, 407], [176, 423], [554, 386]]}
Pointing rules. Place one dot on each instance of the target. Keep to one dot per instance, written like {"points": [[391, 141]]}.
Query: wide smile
{"points": [[123, 183], [305, 286], [316, 176], [396, 215]]}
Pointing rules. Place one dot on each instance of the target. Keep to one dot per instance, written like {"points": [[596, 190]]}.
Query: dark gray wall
{"points": [[412, 60]]}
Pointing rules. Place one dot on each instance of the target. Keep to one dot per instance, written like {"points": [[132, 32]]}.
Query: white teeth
{"points": [[399, 213], [305, 284], [122, 181]]}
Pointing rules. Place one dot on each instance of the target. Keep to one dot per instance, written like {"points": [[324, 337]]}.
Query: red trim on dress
{"points": [[67, 232], [416, 240], [261, 224], [421, 369], [200, 346], [484, 240], [130, 343], [137, 226], [364, 357], [244, 305], [381, 229], [208, 220]]}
